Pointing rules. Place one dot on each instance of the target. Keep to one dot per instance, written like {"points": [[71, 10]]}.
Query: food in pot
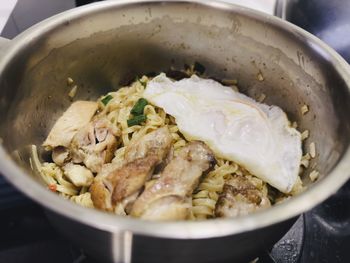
{"points": [[234, 126], [77, 116], [240, 197], [166, 149], [169, 197], [122, 182]]}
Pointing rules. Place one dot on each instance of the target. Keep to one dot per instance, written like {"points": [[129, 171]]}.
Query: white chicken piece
{"points": [[94, 144], [60, 155], [234, 126], [79, 175], [240, 197], [74, 118], [169, 197]]}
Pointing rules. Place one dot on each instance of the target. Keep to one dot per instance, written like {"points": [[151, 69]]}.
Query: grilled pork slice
{"points": [[100, 195], [240, 197], [169, 197], [74, 118], [120, 185], [94, 144], [115, 183], [157, 142], [131, 177]]}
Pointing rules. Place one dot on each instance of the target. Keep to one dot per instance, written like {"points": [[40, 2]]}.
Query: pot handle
{"points": [[4, 43], [122, 247]]}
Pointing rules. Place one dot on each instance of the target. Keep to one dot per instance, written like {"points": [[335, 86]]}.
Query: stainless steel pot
{"points": [[102, 45]]}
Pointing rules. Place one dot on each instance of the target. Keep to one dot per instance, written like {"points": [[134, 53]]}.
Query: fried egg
{"points": [[237, 128]]}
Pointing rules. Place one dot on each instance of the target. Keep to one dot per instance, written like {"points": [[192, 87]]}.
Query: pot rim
{"points": [[180, 229]]}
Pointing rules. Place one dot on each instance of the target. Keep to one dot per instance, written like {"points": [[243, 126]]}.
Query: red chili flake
{"points": [[53, 187]]}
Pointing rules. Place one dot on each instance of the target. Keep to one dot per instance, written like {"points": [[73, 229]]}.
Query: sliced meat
{"points": [[124, 182], [240, 197], [168, 208], [101, 195], [79, 175], [94, 144], [74, 118], [169, 197], [131, 177], [152, 142]]}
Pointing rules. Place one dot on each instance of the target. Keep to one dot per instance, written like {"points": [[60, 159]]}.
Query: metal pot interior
{"points": [[102, 47]]}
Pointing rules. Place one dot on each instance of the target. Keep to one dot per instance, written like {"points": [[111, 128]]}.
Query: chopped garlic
{"points": [[294, 125], [312, 149], [73, 91], [304, 109], [305, 160], [262, 97], [260, 76], [70, 81], [314, 175], [305, 163], [305, 135]]}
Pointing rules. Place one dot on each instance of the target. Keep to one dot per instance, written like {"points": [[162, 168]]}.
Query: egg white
{"points": [[237, 128]]}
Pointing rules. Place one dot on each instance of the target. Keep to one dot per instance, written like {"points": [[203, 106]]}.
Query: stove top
{"points": [[321, 235]]}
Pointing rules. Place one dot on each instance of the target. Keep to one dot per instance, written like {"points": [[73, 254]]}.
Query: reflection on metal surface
{"points": [[122, 247], [266, 6]]}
